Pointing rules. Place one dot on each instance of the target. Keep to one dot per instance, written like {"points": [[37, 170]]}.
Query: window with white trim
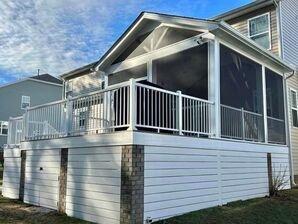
{"points": [[25, 102], [294, 108], [3, 127], [259, 30]]}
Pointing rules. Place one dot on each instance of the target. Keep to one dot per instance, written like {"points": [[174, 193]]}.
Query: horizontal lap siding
{"points": [[41, 186], [241, 24], [11, 173], [93, 184], [180, 180], [293, 84]]}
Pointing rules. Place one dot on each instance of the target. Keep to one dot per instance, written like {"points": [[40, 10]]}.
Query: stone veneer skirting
{"points": [[22, 176], [63, 181], [132, 185]]}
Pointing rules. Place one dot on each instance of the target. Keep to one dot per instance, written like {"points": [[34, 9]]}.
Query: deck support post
{"points": [[63, 181], [214, 86], [132, 105], [180, 111], [22, 176]]}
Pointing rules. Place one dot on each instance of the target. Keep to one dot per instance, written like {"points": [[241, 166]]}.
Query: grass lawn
{"points": [[277, 210], [13, 211]]}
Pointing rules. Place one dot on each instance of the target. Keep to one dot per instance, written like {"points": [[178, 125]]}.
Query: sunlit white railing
{"points": [[241, 124], [165, 110], [111, 109], [45, 121], [15, 131]]}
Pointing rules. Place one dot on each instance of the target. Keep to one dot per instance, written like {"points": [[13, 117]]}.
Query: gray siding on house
{"points": [[289, 28], [11, 97]]}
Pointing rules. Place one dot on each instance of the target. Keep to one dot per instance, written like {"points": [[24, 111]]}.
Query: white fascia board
{"points": [[247, 41]]}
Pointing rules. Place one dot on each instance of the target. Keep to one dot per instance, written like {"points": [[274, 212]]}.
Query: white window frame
{"points": [[293, 108], [269, 28], [25, 100], [1, 127]]}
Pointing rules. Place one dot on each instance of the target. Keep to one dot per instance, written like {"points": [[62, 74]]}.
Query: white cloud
{"points": [[55, 36]]}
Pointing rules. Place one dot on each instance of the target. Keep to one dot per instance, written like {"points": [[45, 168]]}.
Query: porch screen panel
{"points": [[275, 107], [186, 71], [241, 96]]}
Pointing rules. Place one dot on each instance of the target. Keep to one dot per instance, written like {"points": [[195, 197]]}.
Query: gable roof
{"points": [[155, 19], [47, 78], [44, 78], [250, 7]]}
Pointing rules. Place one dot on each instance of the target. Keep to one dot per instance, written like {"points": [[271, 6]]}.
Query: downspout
{"points": [[288, 130]]}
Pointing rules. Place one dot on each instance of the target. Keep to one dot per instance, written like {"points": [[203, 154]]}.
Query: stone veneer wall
{"points": [[22, 176], [63, 181], [132, 185]]}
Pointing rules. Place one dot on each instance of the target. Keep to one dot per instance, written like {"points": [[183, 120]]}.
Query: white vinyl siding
{"points": [[11, 173], [93, 184], [41, 177], [289, 27], [180, 179], [259, 30]]}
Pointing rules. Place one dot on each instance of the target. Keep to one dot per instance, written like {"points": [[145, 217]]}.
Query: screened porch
{"points": [[170, 81]]}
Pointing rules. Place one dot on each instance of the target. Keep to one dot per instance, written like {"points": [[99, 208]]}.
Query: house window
{"points": [[259, 30], [294, 108], [25, 102], [3, 127]]}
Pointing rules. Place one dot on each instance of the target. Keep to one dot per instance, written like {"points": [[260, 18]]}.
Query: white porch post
{"points": [[264, 104], [214, 86], [132, 105]]}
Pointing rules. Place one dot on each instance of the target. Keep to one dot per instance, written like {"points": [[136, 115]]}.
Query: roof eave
{"points": [[234, 13]]}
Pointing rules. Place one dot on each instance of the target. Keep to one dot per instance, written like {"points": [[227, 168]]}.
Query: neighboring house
{"points": [[28, 92], [180, 114], [273, 24]]}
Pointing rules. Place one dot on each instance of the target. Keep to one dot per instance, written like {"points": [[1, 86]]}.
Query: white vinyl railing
{"points": [[135, 106], [241, 124], [15, 131], [111, 109], [165, 110]]}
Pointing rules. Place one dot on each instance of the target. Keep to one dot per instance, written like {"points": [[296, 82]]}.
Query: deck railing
{"points": [[241, 124], [108, 110], [135, 106], [15, 131]]}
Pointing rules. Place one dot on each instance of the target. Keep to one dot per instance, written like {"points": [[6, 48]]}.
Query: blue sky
{"points": [[57, 36]]}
